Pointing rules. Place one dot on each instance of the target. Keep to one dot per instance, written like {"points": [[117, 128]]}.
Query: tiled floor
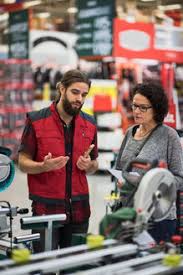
{"points": [[17, 195]]}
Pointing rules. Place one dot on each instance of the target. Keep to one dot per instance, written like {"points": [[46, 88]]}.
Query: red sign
{"points": [[11, 7], [145, 40]]}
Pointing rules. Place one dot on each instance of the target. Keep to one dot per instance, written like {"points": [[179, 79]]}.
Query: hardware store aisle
{"points": [[17, 195]]}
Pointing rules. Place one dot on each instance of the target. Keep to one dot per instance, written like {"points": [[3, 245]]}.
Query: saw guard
{"points": [[7, 171], [155, 195]]}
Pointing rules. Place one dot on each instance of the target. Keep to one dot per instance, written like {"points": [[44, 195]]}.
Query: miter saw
{"points": [[7, 172], [153, 193], [144, 197], [7, 169], [7, 211]]}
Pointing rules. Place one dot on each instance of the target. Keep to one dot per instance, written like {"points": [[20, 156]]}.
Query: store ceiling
{"points": [[60, 7]]}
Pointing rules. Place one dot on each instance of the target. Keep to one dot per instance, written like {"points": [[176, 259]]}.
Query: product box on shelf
{"points": [[16, 97]]}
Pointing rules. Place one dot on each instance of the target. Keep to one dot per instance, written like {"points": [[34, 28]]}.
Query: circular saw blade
{"points": [[163, 201], [7, 172], [156, 194], [4, 167]]}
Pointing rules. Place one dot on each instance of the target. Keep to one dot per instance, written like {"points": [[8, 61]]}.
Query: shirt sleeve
{"points": [[28, 140]]}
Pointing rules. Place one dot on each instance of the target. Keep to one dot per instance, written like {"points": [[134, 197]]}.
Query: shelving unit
{"points": [[16, 97], [179, 88], [110, 136]]}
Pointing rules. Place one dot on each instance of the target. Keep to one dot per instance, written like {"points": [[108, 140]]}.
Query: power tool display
{"points": [[124, 247]]}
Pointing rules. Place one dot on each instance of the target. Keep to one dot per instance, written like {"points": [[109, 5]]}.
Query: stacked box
{"points": [[16, 98]]}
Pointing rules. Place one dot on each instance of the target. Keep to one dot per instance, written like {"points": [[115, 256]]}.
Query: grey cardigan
{"points": [[163, 144]]}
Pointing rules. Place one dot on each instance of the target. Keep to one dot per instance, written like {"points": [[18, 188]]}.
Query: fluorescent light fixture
{"points": [[9, 1], [29, 4], [170, 7], [147, 0], [4, 16], [160, 14], [43, 14], [72, 10]]}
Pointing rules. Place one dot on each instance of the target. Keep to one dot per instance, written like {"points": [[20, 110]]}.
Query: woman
{"points": [[151, 139]]}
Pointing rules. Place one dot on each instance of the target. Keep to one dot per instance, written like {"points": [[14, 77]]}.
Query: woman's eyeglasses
{"points": [[142, 108]]}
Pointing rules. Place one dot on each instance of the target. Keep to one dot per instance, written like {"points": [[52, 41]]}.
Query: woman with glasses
{"points": [[150, 139]]}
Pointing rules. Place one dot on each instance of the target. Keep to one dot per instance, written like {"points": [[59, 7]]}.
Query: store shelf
{"points": [[16, 97], [110, 136]]}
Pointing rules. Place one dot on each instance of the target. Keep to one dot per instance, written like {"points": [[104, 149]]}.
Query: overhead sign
{"points": [[94, 27], [146, 40], [19, 34]]}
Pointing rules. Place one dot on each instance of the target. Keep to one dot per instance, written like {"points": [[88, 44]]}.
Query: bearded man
{"points": [[58, 147]]}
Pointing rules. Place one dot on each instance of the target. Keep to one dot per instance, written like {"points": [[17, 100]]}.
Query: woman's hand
{"points": [[119, 184]]}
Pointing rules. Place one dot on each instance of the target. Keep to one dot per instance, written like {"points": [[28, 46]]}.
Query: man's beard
{"points": [[67, 106]]}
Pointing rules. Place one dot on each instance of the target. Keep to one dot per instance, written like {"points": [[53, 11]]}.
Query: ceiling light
{"points": [[59, 20], [72, 10], [159, 14], [4, 16], [29, 4], [170, 7], [43, 14], [147, 0], [9, 1]]}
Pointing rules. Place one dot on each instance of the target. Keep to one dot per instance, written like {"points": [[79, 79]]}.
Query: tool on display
{"points": [[143, 197], [154, 196], [7, 169], [10, 247], [46, 221]]}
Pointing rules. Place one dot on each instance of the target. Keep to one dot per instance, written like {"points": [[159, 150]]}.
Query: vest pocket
{"points": [[53, 145]]}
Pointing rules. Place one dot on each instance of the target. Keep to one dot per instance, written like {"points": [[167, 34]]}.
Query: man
{"points": [[55, 153]]}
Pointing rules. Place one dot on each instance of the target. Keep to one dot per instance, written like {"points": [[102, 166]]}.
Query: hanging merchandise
{"points": [[179, 89], [167, 80], [16, 96]]}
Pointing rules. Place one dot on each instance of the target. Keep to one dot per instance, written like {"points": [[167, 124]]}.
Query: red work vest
{"points": [[50, 138]]}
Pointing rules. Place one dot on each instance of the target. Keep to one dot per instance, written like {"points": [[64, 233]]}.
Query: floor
{"points": [[100, 186]]}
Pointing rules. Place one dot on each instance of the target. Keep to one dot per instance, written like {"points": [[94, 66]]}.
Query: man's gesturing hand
{"points": [[84, 162], [50, 163]]}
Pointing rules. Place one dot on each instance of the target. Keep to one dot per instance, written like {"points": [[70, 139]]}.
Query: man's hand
{"points": [[84, 162], [87, 152], [50, 163], [29, 166]]}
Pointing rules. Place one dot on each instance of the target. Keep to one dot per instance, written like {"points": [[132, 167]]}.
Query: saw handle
{"points": [[141, 164]]}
